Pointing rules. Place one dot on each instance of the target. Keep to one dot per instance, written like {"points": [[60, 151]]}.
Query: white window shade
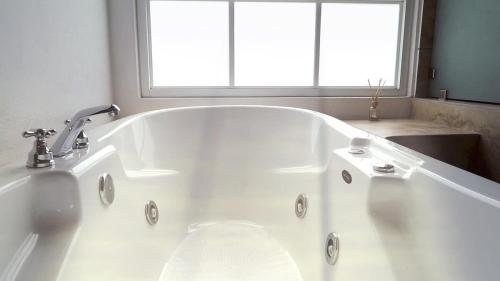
{"points": [[274, 44], [359, 41], [189, 42]]}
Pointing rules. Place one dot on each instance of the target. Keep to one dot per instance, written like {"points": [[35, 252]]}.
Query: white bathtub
{"points": [[225, 180]]}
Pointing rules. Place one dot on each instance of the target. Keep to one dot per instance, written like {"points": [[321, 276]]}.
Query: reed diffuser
{"points": [[373, 114]]}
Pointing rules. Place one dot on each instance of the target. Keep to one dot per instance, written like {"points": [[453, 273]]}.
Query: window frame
{"points": [[403, 60]]}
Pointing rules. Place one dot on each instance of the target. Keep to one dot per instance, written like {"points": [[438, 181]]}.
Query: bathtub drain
{"points": [[301, 206]]}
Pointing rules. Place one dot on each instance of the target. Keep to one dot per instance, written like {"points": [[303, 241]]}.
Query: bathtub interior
{"points": [[245, 166], [208, 140], [225, 181]]}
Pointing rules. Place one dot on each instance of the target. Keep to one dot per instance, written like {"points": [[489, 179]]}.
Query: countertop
{"points": [[406, 127]]}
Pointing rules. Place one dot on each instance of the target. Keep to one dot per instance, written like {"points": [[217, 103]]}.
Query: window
{"points": [[274, 44], [189, 43], [272, 48], [358, 42]]}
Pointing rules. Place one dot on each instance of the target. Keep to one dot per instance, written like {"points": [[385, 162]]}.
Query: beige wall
{"points": [[481, 118], [54, 60]]}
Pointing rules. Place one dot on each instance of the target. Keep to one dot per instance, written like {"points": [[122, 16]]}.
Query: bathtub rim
{"points": [[444, 173]]}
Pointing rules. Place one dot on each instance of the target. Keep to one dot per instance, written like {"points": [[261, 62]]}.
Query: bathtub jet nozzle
{"points": [[301, 206], [332, 248]]}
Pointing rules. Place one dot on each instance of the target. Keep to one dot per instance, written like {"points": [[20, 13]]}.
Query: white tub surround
{"points": [[225, 181]]}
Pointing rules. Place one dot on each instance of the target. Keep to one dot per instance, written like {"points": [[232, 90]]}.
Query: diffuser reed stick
{"points": [[374, 100]]}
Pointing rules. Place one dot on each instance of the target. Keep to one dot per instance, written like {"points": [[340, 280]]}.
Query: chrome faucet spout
{"points": [[64, 143]]}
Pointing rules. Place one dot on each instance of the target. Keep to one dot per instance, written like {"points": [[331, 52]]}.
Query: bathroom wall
{"points": [[54, 60], [480, 118], [466, 53], [460, 39], [124, 61]]}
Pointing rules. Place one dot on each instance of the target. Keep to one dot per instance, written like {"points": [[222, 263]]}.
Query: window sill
{"points": [[239, 92]]}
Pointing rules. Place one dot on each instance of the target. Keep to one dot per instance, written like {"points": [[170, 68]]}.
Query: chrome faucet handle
{"points": [[40, 156], [82, 141], [39, 133]]}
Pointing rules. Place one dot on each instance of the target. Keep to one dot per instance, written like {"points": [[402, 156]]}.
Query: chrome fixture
{"points": [[68, 138], [346, 176], [332, 248], [356, 151], [40, 156], [383, 168], [151, 212], [106, 189], [82, 141], [359, 145], [301, 206], [433, 73]]}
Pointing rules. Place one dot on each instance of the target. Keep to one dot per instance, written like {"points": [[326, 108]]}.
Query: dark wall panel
{"points": [[467, 50]]}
